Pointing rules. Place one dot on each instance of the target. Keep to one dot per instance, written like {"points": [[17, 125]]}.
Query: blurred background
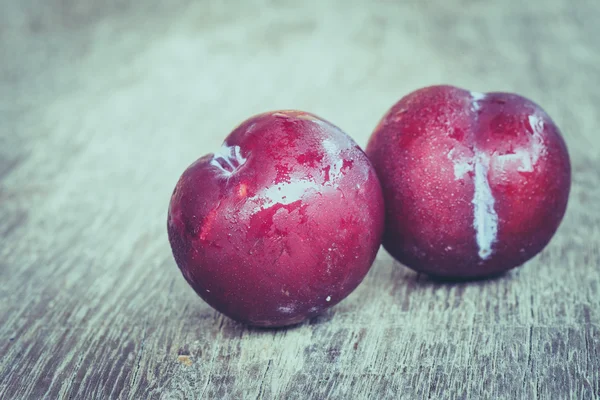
{"points": [[113, 99], [103, 104]]}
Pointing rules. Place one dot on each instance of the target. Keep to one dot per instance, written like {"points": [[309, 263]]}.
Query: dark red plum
{"points": [[280, 224], [474, 184]]}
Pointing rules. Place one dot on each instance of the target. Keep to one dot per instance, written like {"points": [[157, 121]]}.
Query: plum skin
{"points": [[474, 184], [281, 224]]}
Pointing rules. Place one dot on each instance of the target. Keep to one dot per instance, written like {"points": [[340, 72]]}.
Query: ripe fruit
{"points": [[474, 184], [280, 224]]}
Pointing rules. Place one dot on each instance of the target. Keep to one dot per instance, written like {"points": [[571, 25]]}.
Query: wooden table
{"points": [[103, 105]]}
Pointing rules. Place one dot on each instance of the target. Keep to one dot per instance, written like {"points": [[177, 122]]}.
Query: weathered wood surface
{"points": [[102, 106]]}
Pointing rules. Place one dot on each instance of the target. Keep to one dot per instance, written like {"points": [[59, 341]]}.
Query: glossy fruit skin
{"points": [[474, 184], [281, 224]]}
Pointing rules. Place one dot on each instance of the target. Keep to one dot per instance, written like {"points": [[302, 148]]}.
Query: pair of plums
{"points": [[285, 220]]}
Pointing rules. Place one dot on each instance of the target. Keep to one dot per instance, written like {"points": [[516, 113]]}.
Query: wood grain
{"points": [[105, 103]]}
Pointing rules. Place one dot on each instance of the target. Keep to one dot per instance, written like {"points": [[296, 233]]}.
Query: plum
{"points": [[474, 184], [280, 224]]}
